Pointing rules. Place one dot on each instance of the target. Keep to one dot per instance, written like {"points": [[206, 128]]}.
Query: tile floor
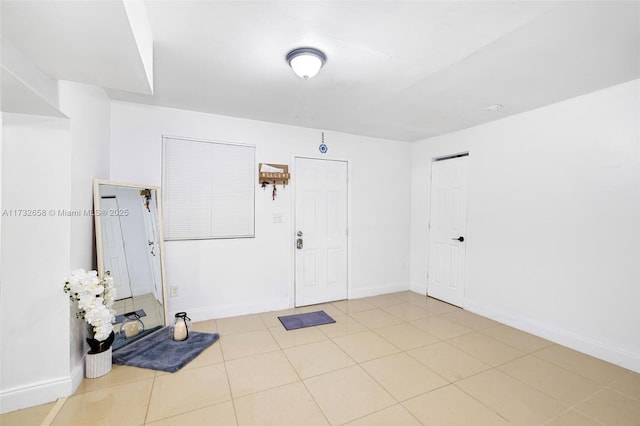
{"points": [[392, 360]]}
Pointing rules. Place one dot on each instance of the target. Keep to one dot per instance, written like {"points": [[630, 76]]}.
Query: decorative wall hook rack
{"points": [[273, 174]]}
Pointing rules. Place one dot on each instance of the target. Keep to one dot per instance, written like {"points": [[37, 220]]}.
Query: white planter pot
{"points": [[97, 365]]}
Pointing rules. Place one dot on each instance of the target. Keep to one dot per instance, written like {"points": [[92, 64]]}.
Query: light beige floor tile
{"points": [[592, 368], [344, 325], [612, 408], [450, 406], [628, 384], [348, 394], [290, 338], [573, 418], [241, 324], [270, 319], [32, 416], [448, 361], [259, 372], [328, 308], [561, 384], [519, 403], [395, 415], [209, 326], [471, 320], [376, 318], [312, 308], [406, 311], [442, 328], [353, 306], [436, 307], [519, 339], [286, 405], [188, 390], [403, 376], [119, 374], [410, 296], [219, 414], [211, 355], [247, 344], [119, 405], [423, 302], [248, 363], [406, 336], [331, 310], [485, 348], [365, 346], [317, 358], [383, 300]]}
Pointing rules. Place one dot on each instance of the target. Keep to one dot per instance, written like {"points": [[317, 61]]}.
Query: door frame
{"points": [[434, 159], [292, 227]]}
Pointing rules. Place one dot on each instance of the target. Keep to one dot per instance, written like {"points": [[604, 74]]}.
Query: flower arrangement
{"points": [[95, 297]]}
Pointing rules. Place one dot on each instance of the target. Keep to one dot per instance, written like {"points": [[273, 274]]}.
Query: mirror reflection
{"points": [[129, 247]]}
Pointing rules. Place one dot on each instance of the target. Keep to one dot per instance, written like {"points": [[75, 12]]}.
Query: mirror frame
{"points": [[98, 233]]}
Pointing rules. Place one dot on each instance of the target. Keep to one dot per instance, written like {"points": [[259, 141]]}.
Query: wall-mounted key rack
{"points": [[275, 174]]}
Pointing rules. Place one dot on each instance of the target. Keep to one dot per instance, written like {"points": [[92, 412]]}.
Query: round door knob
{"points": [[461, 239]]}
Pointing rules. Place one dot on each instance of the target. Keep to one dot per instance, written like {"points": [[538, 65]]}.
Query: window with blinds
{"points": [[208, 189]]}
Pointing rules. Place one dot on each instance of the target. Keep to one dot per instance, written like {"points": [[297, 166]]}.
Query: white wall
{"points": [[553, 221], [47, 164], [88, 108], [230, 277], [35, 255]]}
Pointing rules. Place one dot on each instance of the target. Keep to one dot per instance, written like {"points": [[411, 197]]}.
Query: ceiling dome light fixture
{"points": [[306, 61]]}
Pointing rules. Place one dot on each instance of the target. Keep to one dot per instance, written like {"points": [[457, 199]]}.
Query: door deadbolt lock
{"points": [[299, 243], [299, 233]]}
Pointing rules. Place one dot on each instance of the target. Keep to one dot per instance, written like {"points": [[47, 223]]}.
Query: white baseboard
{"points": [[360, 292], [235, 309], [614, 355], [230, 310], [77, 375], [34, 394]]}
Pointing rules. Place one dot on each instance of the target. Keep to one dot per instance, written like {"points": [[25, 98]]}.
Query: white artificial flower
{"points": [[95, 297]]}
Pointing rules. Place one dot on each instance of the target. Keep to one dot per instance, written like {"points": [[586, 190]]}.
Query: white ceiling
{"points": [[396, 70]]}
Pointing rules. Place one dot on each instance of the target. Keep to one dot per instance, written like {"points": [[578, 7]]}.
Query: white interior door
{"points": [[115, 259], [447, 230], [321, 231]]}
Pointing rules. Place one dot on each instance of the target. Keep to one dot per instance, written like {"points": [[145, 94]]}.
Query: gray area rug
{"points": [[160, 352], [309, 319]]}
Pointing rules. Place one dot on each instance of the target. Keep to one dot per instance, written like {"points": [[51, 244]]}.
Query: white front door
{"points": [[321, 231], [447, 230]]}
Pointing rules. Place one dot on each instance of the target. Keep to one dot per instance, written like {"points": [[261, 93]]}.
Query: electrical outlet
{"points": [[174, 291]]}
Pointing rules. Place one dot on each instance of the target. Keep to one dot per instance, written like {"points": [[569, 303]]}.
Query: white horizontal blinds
{"points": [[232, 212], [208, 189]]}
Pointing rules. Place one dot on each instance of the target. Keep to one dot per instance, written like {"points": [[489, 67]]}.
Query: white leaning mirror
{"points": [[129, 246]]}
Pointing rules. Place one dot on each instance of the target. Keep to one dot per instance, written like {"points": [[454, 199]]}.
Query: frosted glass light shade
{"points": [[306, 62]]}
